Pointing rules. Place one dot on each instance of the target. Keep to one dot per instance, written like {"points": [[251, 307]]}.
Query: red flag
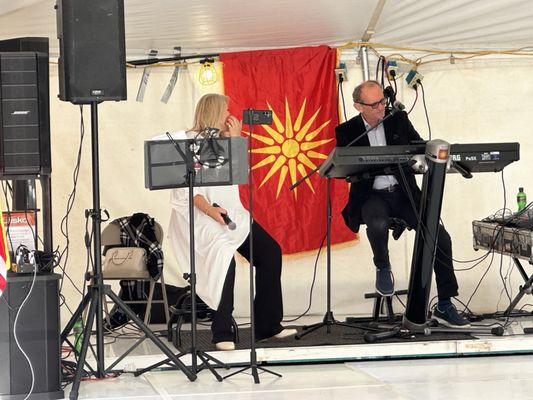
{"points": [[299, 86]]}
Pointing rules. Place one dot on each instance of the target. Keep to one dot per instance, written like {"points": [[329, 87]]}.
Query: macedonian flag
{"points": [[298, 86]]}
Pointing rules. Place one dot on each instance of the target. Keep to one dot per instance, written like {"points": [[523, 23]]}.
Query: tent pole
{"points": [[369, 32], [363, 54]]}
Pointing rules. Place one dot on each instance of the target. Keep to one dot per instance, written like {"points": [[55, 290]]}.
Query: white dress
{"points": [[215, 244]]}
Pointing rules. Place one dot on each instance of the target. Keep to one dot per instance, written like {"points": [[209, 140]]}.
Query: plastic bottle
{"points": [[521, 199], [78, 334]]}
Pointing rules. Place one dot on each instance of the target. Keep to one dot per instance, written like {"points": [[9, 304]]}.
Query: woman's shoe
{"points": [[225, 346], [285, 333]]}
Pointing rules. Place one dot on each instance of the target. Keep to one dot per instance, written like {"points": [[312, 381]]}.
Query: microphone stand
{"points": [[329, 319], [312, 172], [253, 354], [382, 120]]}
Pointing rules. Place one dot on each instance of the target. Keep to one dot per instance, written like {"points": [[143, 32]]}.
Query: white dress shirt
{"points": [[376, 137]]}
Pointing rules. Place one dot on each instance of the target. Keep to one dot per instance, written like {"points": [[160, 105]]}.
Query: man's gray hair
{"points": [[356, 95]]}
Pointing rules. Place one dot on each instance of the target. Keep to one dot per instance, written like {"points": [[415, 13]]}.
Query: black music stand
{"points": [[205, 161], [253, 117], [97, 290]]}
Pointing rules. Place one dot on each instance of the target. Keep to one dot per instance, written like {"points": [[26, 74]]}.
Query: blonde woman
{"points": [[215, 244]]}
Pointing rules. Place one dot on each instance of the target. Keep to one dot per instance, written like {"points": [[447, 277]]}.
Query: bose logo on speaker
{"points": [[25, 112]]}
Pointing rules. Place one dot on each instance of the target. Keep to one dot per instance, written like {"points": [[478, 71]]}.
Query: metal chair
{"points": [[129, 263]]}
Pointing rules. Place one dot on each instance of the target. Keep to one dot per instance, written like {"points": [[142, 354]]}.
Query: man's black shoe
{"points": [[384, 282], [450, 317]]}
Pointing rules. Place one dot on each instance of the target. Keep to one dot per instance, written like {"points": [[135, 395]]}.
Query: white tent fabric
{"points": [[214, 25], [483, 100]]}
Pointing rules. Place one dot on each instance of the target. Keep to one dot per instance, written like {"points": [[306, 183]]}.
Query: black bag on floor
{"points": [[178, 297]]}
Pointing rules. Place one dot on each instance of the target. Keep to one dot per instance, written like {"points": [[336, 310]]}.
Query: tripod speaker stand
{"points": [[94, 298]]}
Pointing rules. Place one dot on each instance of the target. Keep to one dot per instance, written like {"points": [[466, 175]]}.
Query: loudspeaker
{"points": [[38, 334], [25, 108], [39, 44], [92, 60]]}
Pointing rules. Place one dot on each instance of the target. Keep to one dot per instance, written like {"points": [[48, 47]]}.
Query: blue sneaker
{"points": [[384, 282], [450, 317]]}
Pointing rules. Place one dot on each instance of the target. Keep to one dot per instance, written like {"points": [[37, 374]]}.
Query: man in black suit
{"points": [[379, 201]]}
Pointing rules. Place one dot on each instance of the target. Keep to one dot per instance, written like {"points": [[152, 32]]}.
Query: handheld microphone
{"points": [[227, 220]]}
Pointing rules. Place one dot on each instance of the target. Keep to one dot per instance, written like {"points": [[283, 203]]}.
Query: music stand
{"points": [[205, 161]]}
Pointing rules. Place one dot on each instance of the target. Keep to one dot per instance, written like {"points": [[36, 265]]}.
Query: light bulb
{"points": [[208, 73]]}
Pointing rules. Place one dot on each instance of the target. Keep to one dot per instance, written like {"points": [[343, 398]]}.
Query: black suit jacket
{"points": [[398, 131]]}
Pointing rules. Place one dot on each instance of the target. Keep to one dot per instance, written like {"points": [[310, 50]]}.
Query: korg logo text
{"points": [[25, 112]]}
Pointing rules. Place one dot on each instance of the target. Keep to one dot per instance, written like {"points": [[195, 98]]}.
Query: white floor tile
{"points": [[472, 369], [484, 378]]}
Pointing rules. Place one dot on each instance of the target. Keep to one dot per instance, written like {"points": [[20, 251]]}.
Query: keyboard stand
{"points": [[525, 289]]}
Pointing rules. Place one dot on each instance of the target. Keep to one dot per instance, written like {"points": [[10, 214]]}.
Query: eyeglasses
{"points": [[375, 105]]}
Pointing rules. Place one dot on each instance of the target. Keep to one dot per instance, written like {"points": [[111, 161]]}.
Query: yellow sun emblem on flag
{"points": [[290, 147]]}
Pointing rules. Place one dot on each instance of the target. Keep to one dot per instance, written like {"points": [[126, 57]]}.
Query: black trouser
{"points": [[268, 304], [376, 212]]}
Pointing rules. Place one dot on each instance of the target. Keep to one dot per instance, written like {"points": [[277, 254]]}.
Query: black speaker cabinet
{"points": [[38, 334], [25, 108], [92, 60], [39, 44]]}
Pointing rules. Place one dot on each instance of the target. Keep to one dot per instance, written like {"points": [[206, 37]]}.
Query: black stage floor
{"points": [[339, 336]]}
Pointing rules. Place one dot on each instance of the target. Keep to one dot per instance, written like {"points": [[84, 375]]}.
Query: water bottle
{"points": [[521, 199], [78, 334]]}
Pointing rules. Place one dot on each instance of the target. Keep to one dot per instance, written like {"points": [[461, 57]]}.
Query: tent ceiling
{"points": [[217, 25]]}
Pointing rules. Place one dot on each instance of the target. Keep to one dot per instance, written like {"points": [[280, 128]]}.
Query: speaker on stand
{"points": [[92, 69], [92, 51], [25, 124]]}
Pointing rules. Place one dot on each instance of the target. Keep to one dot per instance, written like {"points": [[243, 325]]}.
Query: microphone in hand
{"points": [[227, 220]]}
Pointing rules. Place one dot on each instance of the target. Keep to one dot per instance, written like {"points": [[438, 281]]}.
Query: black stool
{"points": [[379, 305], [397, 226]]}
